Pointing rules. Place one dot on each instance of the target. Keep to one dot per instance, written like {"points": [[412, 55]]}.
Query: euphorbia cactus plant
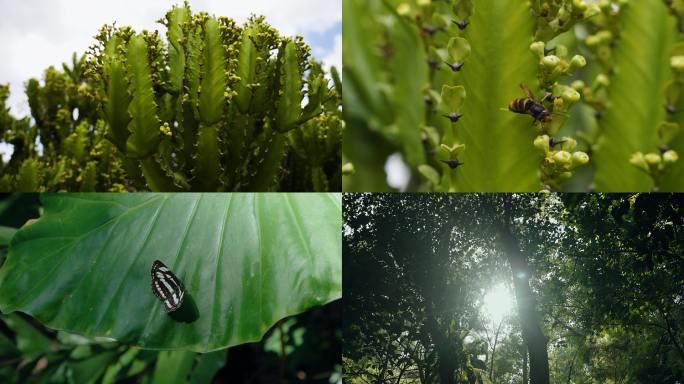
{"points": [[75, 155], [209, 111]]}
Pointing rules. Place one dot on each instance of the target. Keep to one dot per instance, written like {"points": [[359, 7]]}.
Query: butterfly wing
{"points": [[174, 301], [166, 286]]}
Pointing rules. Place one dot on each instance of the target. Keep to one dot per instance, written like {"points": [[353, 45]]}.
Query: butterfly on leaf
{"points": [[167, 287]]}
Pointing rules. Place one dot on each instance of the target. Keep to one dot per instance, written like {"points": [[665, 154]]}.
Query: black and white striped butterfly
{"points": [[167, 287]]}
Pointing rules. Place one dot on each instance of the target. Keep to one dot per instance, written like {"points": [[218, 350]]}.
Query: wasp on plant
{"points": [[532, 107]]}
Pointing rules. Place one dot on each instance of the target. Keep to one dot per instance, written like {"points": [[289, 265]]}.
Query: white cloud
{"points": [[334, 58], [37, 34], [6, 151]]}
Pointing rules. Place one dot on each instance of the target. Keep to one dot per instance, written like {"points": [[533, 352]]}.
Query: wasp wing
{"points": [[528, 92]]}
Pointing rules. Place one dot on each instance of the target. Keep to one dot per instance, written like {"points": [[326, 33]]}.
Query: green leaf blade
{"points": [[499, 155], [636, 97], [246, 261]]}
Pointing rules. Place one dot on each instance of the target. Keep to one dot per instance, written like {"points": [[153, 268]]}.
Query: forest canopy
{"points": [[595, 283]]}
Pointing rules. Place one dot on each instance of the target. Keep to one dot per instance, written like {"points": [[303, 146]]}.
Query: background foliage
{"points": [[30, 352], [605, 273]]}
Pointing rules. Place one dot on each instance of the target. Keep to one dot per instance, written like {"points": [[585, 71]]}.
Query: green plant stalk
{"points": [[453, 180]]}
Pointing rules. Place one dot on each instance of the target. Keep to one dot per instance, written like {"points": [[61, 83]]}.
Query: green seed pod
{"points": [[638, 160], [604, 5], [578, 85], [653, 160], [674, 89], [667, 131], [592, 41], [431, 134], [592, 10], [605, 37], [561, 51], [549, 63], [569, 144], [570, 97], [578, 6], [542, 144], [578, 158], [558, 103], [537, 49], [560, 159], [547, 173], [458, 49], [453, 151], [403, 9], [463, 8], [677, 64], [669, 157], [429, 173], [562, 177], [348, 169], [576, 63], [677, 49], [601, 81], [453, 97]]}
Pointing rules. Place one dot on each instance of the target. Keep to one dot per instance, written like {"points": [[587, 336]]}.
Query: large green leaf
{"points": [[499, 155], [246, 260], [636, 97], [390, 79]]}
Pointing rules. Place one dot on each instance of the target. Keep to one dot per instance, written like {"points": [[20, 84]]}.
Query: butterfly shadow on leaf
{"points": [[187, 313], [180, 306]]}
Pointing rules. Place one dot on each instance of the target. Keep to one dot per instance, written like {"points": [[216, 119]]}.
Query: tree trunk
{"points": [[447, 362], [571, 365], [532, 333], [524, 362]]}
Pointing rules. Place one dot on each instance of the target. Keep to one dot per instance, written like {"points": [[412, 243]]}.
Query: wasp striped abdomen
{"points": [[532, 107], [521, 105]]}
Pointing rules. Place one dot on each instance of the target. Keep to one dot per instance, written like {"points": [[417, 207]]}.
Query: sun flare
{"points": [[498, 302]]}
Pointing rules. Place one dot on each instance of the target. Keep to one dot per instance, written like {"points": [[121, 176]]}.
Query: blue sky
{"points": [[36, 34]]}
